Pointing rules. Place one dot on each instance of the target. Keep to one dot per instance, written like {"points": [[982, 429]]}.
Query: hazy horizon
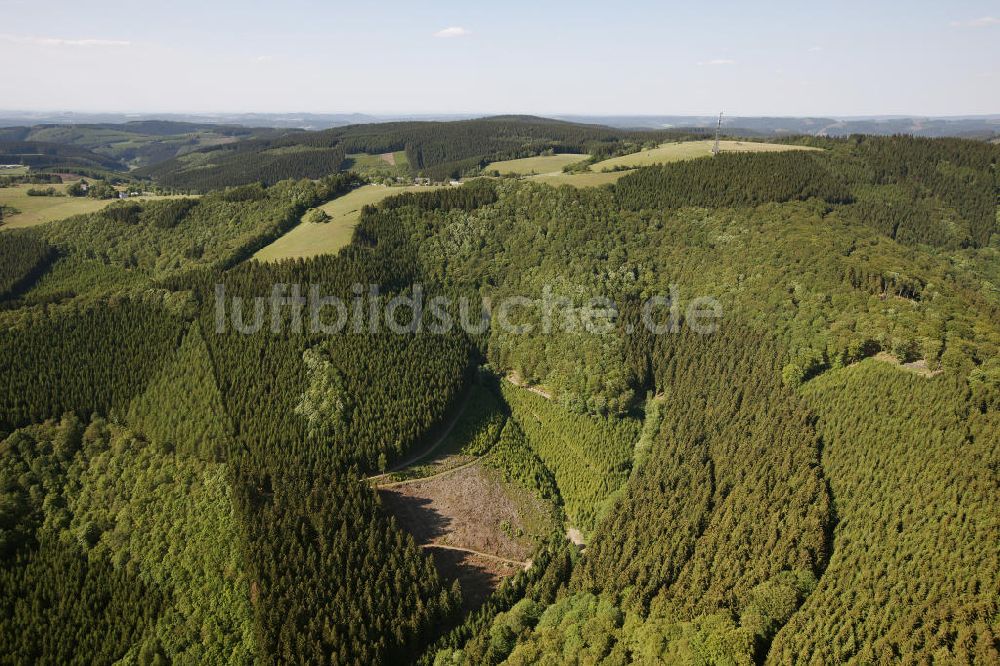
{"points": [[485, 114]]}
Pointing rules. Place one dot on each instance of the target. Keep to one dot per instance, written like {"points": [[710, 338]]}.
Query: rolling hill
{"points": [[438, 150], [52, 155], [126, 145], [740, 409]]}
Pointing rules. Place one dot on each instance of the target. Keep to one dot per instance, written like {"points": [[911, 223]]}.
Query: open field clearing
{"points": [[397, 159], [583, 179], [918, 367], [467, 508], [364, 160], [487, 527], [16, 171], [310, 240], [39, 210], [461, 507], [686, 150], [603, 172], [535, 165], [548, 169], [384, 162]]}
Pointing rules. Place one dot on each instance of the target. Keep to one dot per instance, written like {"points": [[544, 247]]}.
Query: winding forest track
{"points": [[526, 564], [432, 448], [393, 484], [451, 426]]}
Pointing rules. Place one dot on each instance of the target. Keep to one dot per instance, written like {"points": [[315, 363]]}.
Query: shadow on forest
{"points": [[415, 515], [476, 579], [426, 524]]}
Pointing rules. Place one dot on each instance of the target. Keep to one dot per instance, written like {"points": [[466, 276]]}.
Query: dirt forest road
{"points": [[432, 448], [525, 564], [394, 484]]}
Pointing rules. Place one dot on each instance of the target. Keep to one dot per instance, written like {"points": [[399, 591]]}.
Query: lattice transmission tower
{"points": [[718, 130]]}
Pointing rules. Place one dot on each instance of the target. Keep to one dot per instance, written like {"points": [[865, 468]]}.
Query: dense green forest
{"points": [[846, 293], [940, 544], [437, 150], [119, 146], [99, 356], [589, 457], [812, 481], [48, 154], [257, 160], [23, 258]]}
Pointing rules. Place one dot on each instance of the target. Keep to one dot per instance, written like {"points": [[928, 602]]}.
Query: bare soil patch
{"points": [[470, 509], [919, 366], [388, 158], [516, 379], [467, 508], [575, 536]]}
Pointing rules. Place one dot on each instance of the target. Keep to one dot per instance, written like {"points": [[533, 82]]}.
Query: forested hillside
{"points": [[189, 475], [282, 463], [589, 457], [133, 243], [46, 154], [23, 258], [937, 546], [437, 150], [732, 523], [830, 287], [257, 160], [130, 144]]}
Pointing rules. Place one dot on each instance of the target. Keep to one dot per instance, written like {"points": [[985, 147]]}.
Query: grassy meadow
{"points": [[542, 164], [687, 150], [310, 240], [548, 169], [39, 210], [581, 179], [390, 163]]}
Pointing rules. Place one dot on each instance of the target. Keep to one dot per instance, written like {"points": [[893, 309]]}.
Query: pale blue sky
{"points": [[777, 58]]}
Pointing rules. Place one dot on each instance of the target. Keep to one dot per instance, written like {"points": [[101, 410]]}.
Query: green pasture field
{"points": [[542, 164], [386, 162], [310, 240], [580, 179], [687, 150], [39, 210]]}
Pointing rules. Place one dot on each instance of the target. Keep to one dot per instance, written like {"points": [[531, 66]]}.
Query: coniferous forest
{"points": [[815, 480]]}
